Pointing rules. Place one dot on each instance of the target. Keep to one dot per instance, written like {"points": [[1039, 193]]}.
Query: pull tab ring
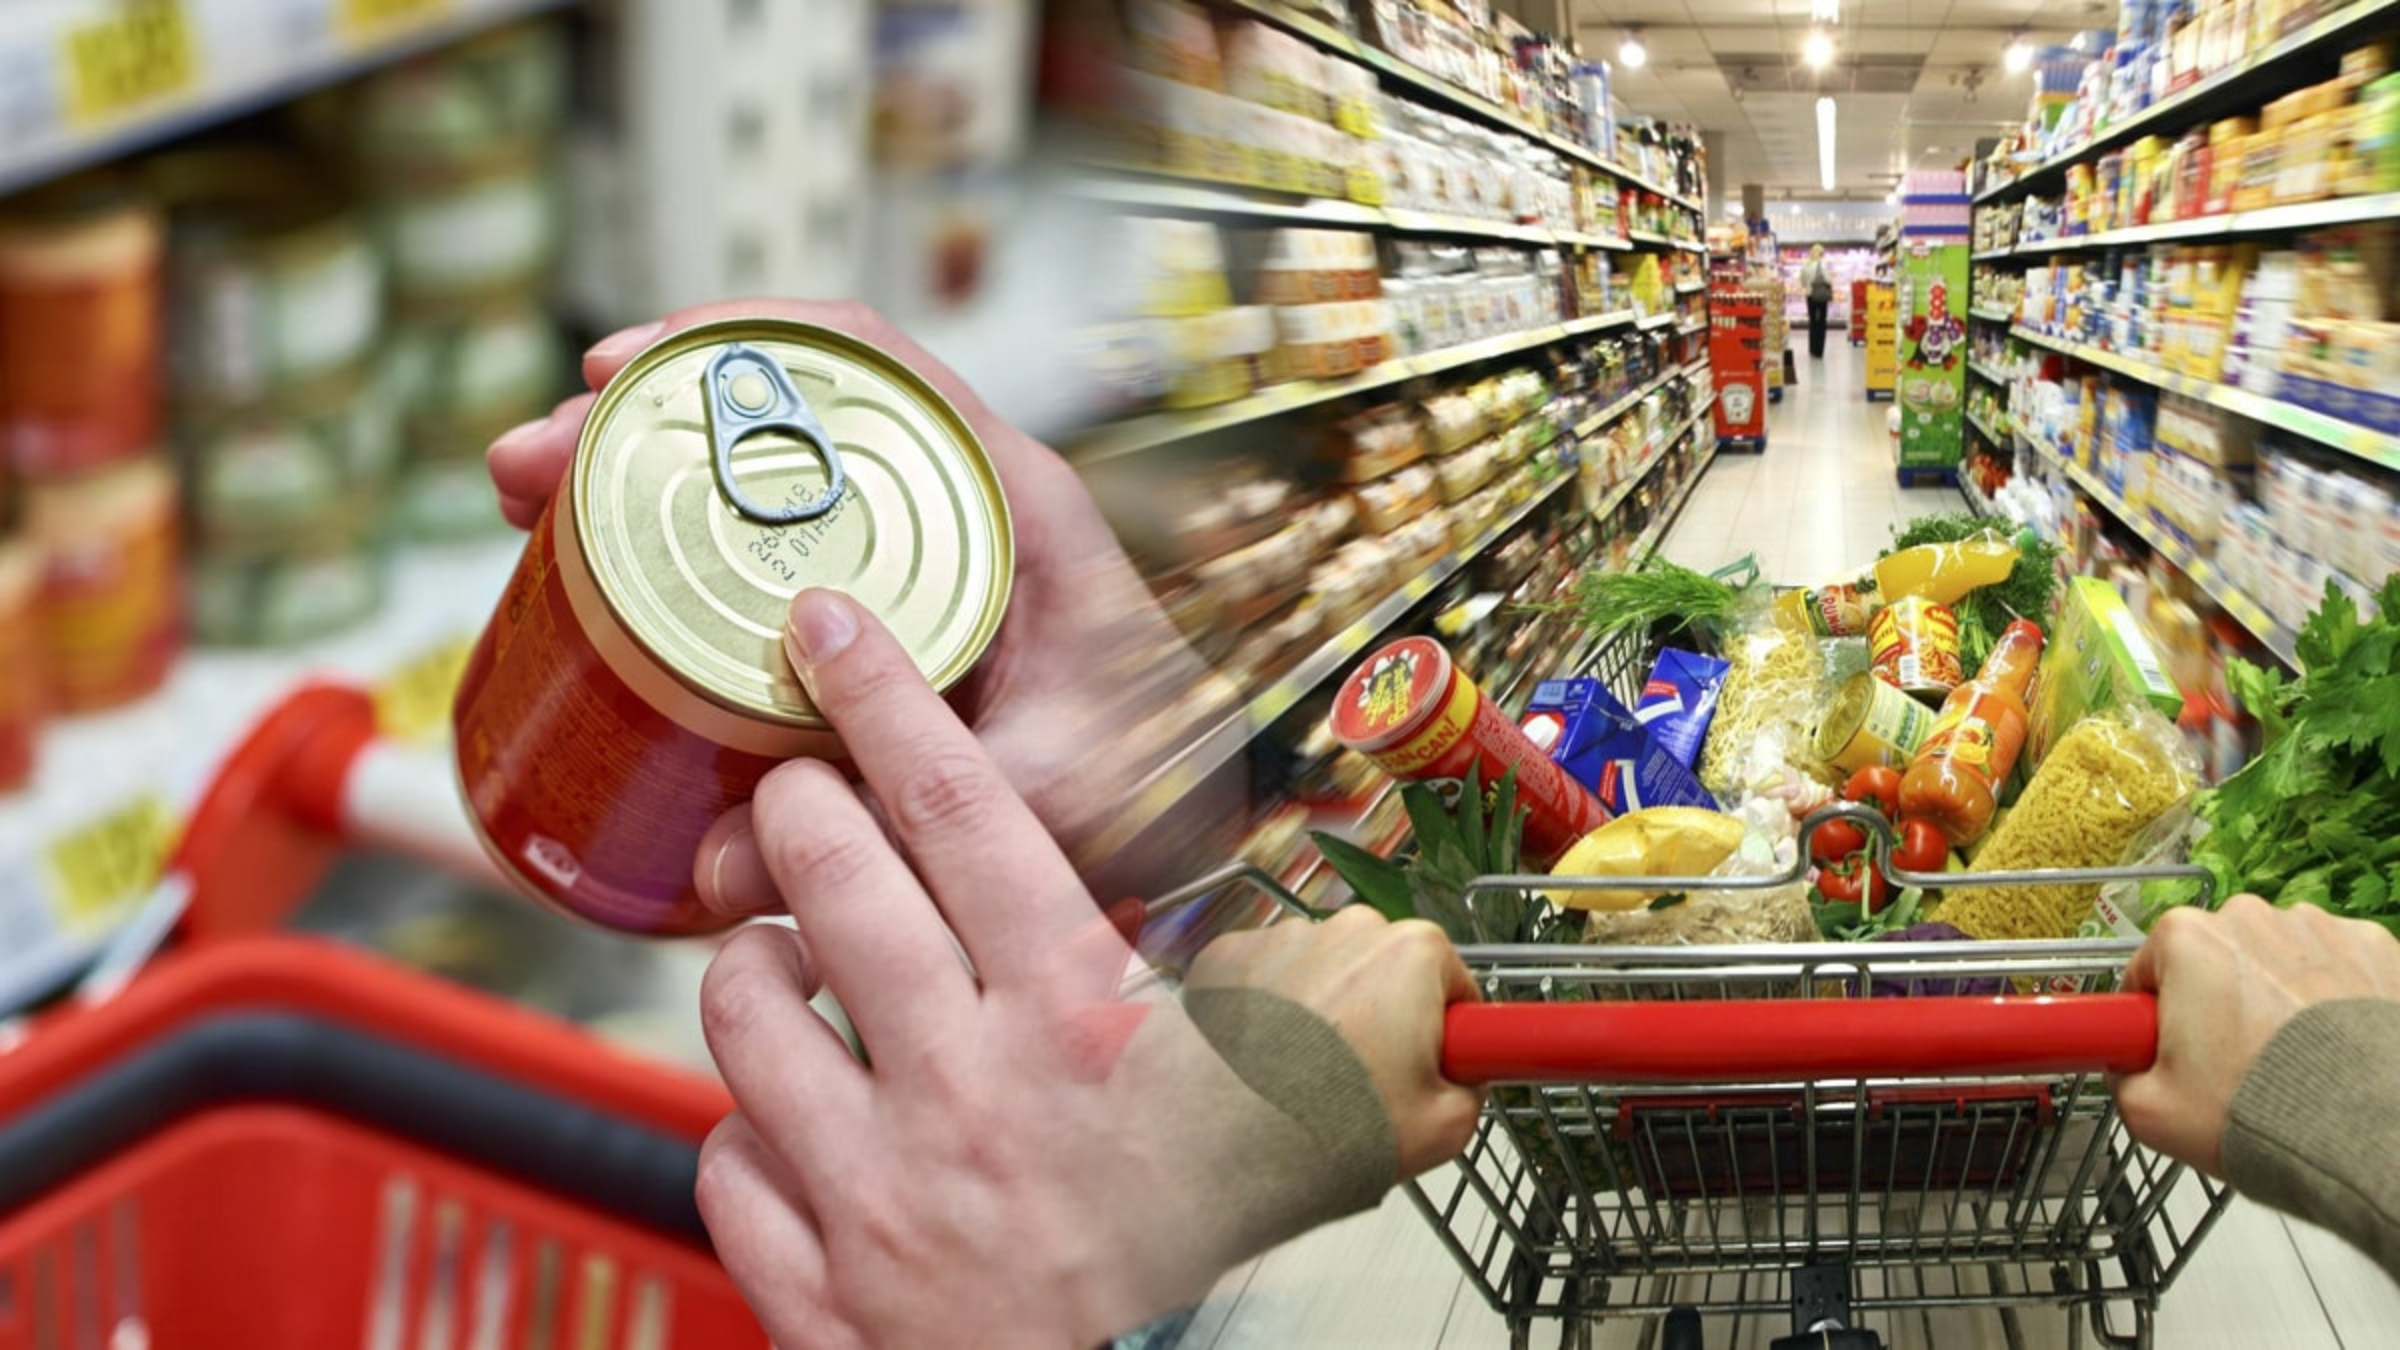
{"points": [[747, 393]]}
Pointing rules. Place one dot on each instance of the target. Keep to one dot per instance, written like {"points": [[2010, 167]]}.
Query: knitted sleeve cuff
{"points": [[2315, 1124]]}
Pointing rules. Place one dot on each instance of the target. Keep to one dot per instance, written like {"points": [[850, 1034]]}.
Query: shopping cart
{"points": [[1763, 1133], [268, 1141]]}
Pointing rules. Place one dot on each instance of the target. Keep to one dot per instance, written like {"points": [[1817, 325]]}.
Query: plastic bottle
{"points": [[1941, 573], [1954, 781]]}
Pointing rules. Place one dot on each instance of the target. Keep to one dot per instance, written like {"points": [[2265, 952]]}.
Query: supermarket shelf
{"points": [[1149, 190], [1690, 287], [1696, 369], [1578, 239], [1985, 373], [1423, 222], [1692, 329], [1618, 409], [1218, 746], [1664, 241], [2225, 87], [1990, 433], [231, 58], [1151, 430], [102, 774], [1441, 91], [2363, 442], [1978, 503], [1633, 481], [1657, 533], [1615, 318], [1651, 323], [2245, 611], [2265, 220], [1992, 255], [1991, 315]]}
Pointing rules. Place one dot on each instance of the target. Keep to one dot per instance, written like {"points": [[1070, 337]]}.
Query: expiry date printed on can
{"points": [[801, 540]]}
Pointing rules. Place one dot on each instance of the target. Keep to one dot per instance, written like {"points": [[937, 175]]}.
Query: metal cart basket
{"points": [[1822, 1133]]}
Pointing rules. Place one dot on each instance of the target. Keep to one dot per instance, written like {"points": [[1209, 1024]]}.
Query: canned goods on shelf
{"points": [[456, 233], [291, 463], [507, 86], [437, 499], [289, 592], [21, 668], [462, 380], [270, 281], [632, 686], [79, 327], [111, 600]]}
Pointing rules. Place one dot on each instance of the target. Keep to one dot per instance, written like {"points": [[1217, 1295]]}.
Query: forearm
{"points": [[2315, 1126]]}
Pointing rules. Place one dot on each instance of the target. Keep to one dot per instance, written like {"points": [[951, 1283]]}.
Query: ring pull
{"points": [[748, 392]]}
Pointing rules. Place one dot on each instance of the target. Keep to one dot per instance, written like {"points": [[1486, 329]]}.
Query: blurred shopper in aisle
{"points": [[1027, 1155], [1817, 282]]}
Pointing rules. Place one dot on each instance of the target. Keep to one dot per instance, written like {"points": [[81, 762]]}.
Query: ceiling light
{"points": [[1825, 143], [2018, 58], [1633, 55], [1817, 49], [1824, 11]]}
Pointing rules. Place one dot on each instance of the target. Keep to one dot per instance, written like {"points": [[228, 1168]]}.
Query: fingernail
{"points": [[820, 626], [521, 431], [714, 897], [620, 345]]}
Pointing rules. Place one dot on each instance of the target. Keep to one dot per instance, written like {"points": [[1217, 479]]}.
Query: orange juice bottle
{"points": [[1954, 781], [1941, 573]]}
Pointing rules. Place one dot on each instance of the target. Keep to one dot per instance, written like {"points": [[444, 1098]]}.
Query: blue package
{"points": [[1605, 748], [1679, 700]]}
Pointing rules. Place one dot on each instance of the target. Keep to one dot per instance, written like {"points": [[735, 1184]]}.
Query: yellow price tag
{"points": [[363, 19], [413, 704], [140, 54], [98, 868]]}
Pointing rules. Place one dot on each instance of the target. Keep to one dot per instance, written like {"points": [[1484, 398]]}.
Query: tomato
{"points": [[1921, 848], [1834, 841], [1877, 785], [1854, 882]]}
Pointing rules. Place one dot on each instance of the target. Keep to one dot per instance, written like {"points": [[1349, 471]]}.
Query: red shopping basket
{"points": [[279, 1142]]}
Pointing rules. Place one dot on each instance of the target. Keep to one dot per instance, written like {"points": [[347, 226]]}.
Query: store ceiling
{"points": [[1915, 82]]}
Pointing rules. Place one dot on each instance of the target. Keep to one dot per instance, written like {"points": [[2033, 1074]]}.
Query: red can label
{"points": [[582, 789]]}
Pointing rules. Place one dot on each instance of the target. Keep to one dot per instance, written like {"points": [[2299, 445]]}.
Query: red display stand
{"points": [[1737, 360]]}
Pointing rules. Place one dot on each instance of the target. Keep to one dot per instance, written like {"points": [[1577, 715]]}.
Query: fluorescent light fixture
{"points": [[1825, 144], [2017, 58], [1817, 49], [1633, 55]]}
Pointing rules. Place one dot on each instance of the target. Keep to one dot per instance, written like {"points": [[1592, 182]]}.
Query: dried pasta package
{"points": [[2087, 805], [1714, 918], [1759, 740]]}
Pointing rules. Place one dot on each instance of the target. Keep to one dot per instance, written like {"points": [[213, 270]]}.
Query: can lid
{"points": [[913, 522], [1391, 694]]}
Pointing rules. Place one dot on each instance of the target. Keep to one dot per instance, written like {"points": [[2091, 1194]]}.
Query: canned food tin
{"points": [[288, 592], [21, 671], [506, 85], [304, 461], [457, 232], [1870, 722], [111, 603], [270, 281], [632, 686], [462, 379], [438, 499], [1915, 645], [1417, 715], [79, 330]]}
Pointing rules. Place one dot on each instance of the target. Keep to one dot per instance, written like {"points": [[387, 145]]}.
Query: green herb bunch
{"points": [[1481, 834]]}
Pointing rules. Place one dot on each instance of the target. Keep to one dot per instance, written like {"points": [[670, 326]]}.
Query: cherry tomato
{"points": [[1834, 841], [1853, 881], [1921, 848], [1877, 785]]}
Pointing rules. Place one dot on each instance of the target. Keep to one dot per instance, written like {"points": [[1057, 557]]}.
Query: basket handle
{"points": [[1768, 1040]]}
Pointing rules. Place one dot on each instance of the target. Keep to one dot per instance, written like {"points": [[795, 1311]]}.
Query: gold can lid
{"points": [[701, 450]]}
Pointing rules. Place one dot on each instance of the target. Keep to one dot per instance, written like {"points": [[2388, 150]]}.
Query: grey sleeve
{"points": [[1300, 1065], [2315, 1125]]}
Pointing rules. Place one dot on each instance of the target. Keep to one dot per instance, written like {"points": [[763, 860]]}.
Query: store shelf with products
{"points": [[1991, 433], [2266, 220], [1161, 193], [2245, 611], [93, 80], [1690, 287], [2239, 87], [2349, 437], [1987, 373], [1982, 315]]}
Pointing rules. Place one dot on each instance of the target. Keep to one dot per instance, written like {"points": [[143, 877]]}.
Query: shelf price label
{"points": [[98, 868], [413, 703], [366, 20], [140, 54]]}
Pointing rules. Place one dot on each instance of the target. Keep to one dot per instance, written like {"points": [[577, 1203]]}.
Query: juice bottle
{"points": [[1941, 573], [1954, 781]]}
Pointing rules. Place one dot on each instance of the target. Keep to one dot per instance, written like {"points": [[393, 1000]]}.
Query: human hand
{"points": [[2226, 983], [1023, 1154], [1083, 655], [1384, 987]]}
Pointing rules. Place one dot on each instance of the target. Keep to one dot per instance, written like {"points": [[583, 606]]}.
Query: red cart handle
{"points": [[1738, 1041]]}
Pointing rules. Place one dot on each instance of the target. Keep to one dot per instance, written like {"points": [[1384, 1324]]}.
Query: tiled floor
{"points": [[1822, 497]]}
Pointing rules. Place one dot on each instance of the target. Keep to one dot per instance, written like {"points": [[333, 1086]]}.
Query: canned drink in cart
{"points": [[1869, 722], [1915, 647], [111, 602], [632, 686], [1411, 709], [79, 329]]}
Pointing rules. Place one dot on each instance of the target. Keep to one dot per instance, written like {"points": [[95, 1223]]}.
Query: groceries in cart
{"points": [[1953, 709]]}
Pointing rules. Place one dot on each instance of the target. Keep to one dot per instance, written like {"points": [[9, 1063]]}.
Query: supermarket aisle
{"points": [[1821, 498]]}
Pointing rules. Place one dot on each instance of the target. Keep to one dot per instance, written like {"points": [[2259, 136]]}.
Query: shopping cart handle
{"points": [[1777, 1041]]}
